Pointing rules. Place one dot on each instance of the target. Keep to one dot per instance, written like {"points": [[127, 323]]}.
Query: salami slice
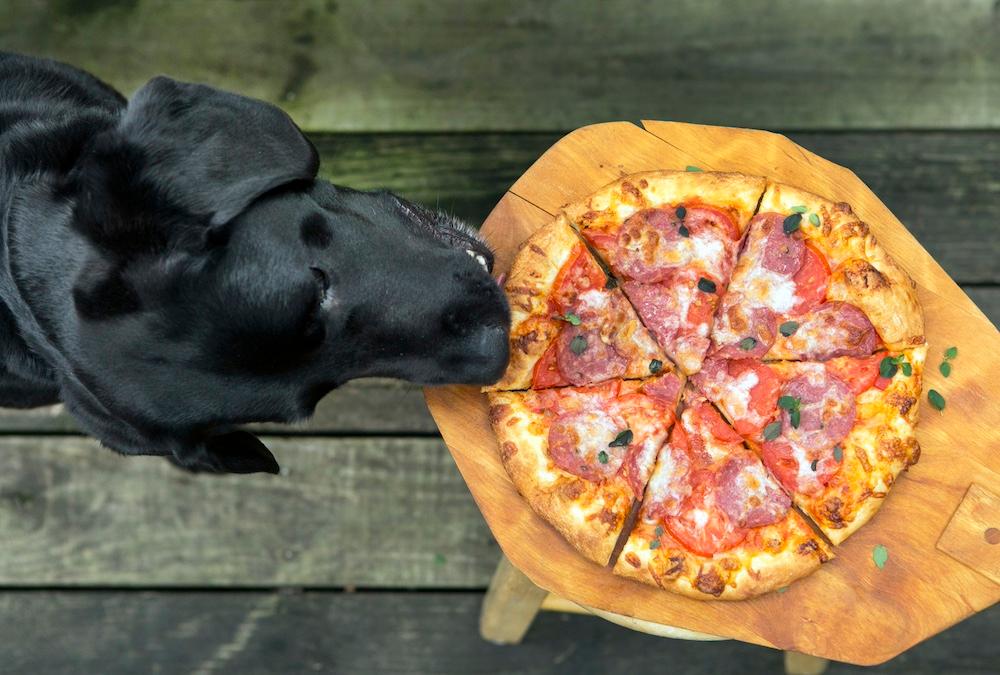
{"points": [[665, 389], [584, 357], [579, 443], [783, 253], [748, 495], [826, 410], [749, 332], [836, 329], [659, 308], [653, 242]]}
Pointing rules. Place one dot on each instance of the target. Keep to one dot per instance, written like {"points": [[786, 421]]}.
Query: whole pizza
{"points": [[714, 379]]}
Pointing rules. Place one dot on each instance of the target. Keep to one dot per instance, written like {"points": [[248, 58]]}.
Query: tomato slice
{"points": [[708, 417], [778, 457], [702, 527], [546, 372], [579, 274], [763, 395], [860, 374], [882, 382], [603, 241], [811, 281], [702, 307]]}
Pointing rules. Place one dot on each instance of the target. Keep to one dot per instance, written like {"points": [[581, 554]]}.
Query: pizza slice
{"points": [[581, 456], [672, 237], [714, 523], [569, 325], [812, 283], [836, 434]]}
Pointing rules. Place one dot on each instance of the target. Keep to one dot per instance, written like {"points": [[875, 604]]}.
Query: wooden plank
{"points": [[973, 534], [459, 65], [120, 633], [385, 512]]}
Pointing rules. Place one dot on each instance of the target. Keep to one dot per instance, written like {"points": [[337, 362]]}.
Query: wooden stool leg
{"points": [[803, 664], [510, 605]]}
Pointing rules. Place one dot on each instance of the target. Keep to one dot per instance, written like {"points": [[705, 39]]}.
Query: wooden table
{"points": [[128, 564]]}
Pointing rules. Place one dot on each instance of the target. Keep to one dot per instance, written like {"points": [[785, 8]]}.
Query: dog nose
{"points": [[491, 351]]}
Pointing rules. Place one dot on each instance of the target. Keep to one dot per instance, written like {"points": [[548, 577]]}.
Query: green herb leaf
{"points": [[572, 318], [907, 368], [788, 402], [602, 457], [655, 365], [691, 167], [814, 465], [622, 439], [578, 345], [880, 554], [772, 431], [655, 544], [887, 367], [748, 343], [681, 212], [945, 368], [795, 417], [936, 399], [658, 531], [798, 209], [683, 231], [788, 328], [706, 285], [838, 453], [814, 219], [782, 589], [791, 223], [951, 353]]}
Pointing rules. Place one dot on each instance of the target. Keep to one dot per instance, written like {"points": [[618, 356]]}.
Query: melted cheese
{"points": [[769, 289]]}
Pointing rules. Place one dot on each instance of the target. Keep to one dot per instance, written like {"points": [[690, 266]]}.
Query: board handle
{"points": [[972, 536]]}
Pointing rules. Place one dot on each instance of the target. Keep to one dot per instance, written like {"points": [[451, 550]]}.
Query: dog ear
{"points": [[231, 452], [210, 151]]}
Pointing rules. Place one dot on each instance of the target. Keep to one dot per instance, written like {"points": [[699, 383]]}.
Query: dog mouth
{"points": [[450, 231]]}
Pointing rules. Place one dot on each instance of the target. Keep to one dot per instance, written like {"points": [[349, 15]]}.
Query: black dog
{"points": [[172, 268]]}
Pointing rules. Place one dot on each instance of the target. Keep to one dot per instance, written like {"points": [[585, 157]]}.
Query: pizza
{"points": [[714, 379], [569, 325], [672, 239], [714, 521]]}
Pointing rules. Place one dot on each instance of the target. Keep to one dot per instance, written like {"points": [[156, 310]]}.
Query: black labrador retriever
{"points": [[171, 267]]}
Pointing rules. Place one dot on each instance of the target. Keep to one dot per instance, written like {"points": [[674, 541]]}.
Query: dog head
{"points": [[223, 284]]}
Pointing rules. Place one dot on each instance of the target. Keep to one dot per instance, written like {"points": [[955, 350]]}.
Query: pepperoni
{"points": [[651, 244], [578, 439], [581, 274], [596, 360], [546, 373], [664, 389], [859, 374], [810, 281], [780, 459], [658, 307], [699, 217], [783, 253], [748, 495], [702, 526], [836, 329], [826, 410], [760, 324], [669, 485]]}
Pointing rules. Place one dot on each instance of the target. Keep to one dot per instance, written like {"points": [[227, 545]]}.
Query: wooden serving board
{"points": [[850, 610]]}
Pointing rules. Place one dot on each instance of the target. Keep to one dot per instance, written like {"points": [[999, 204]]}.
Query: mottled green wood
{"points": [[121, 633], [386, 512], [387, 65]]}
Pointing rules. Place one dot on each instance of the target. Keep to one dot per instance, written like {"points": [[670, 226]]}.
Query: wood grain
{"points": [[461, 65], [347, 512], [973, 533], [897, 606]]}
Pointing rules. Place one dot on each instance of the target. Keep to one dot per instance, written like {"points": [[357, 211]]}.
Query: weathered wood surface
{"points": [[461, 65], [118, 633], [366, 512]]}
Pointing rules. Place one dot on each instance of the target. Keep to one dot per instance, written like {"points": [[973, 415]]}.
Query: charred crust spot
{"points": [[710, 582], [315, 232], [808, 547], [633, 560], [632, 190], [831, 512], [497, 412], [915, 456], [863, 460], [729, 564], [861, 274], [608, 517], [572, 490], [524, 341], [643, 183], [901, 402], [842, 207], [535, 248], [676, 566], [507, 450]]}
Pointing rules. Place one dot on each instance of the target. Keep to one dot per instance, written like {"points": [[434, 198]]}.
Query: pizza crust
{"points": [[862, 272]]}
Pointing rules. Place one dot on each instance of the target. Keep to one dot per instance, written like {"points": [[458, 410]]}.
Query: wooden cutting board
{"points": [[850, 610]]}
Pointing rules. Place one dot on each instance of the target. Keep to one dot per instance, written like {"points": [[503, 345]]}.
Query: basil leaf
{"points": [[814, 465], [691, 167], [880, 554], [681, 212], [683, 231], [655, 544], [788, 328], [655, 365], [791, 223], [838, 453], [796, 417], [572, 318], [887, 367], [706, 285], [578, 345], [798, 209], [951, 353], [907, 368], [748, 343], [945, 368], [621, 440], [658, 531], [936, 399], [602, 457], [814, 219], [772, 431], [788, 402]]}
